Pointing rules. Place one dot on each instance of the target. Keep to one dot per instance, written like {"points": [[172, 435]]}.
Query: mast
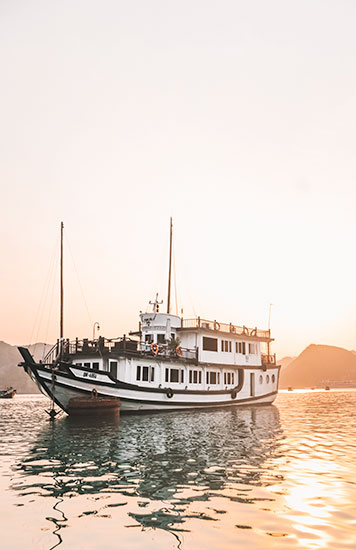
{"points": [[61, 288], [170, 268]]}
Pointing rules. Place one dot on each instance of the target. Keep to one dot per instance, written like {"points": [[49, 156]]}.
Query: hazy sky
{"points": [[237, 118]]}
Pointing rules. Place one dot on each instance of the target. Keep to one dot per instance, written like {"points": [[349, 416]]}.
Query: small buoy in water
{"points": [[290, 388], [327, 388]]}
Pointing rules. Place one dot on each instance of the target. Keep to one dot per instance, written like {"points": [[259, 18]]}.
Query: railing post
{"points": [[198, 321]]}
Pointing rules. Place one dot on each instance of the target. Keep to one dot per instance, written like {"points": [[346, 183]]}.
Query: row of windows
{"points": [[195, 377], [273, 377], [212, 377], [229, 378], [226, 345], [176, 376], [211, 344], [94, 366], [146, 374], [161, 338]]}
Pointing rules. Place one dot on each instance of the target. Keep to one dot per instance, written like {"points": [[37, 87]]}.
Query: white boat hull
{"points": [[67, 386]]}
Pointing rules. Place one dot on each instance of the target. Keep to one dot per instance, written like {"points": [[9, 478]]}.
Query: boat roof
{"points": [[203, 325]]}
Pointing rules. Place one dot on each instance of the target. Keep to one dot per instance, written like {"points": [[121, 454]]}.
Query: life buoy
{"points": [[253, 332], [169, 393], [216, 325], [94, 393], [233, 394], [154, 348], [179, 351], [245, 330]]}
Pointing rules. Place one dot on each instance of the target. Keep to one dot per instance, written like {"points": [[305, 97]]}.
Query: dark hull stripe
{"points": [[123, 385], [160, 403]]}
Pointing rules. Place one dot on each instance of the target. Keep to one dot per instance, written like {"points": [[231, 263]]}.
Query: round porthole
{"points": [[273, 378], [267, 378], [261, 379]]}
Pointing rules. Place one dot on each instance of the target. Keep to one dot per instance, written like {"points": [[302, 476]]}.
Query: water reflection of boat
{"points": [[9, 393], [157, 458]]}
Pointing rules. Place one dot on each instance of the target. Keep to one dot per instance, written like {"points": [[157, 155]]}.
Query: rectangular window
{"points": [[252, 349], [226, 345], [210, 344], [87, 365], [212, 378], [145, 374], [167, 375], [78, 364], [149, 338], [113, 368], [174, 375], [161, 339], [152, 374], [96, 366], [138, 372], [194, 377], [181, 376], [232, 378], [241, 347]]}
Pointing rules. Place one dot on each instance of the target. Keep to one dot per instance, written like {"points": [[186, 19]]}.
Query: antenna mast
{"points": [[61, 287], [170, 268]]}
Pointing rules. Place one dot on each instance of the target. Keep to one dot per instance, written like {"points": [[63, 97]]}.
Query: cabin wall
{"points": [[224, 342]]}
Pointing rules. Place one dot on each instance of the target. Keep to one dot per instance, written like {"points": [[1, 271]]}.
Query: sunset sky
{"points": [[236, 118]]}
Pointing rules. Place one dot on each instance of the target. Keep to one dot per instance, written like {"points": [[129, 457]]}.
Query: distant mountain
{"points": [[320, 366], [11, 374], [285, 361]]}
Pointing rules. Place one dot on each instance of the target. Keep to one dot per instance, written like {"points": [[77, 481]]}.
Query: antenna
{"points": [[170, 268], [61, 287]]}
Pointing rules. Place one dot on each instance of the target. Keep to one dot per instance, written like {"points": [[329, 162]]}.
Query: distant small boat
{"points": [[9, 393], [290, 388], [327, 388]]}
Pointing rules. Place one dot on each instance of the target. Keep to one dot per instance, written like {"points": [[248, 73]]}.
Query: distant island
{"points": [[317, 366], [11, 374]]}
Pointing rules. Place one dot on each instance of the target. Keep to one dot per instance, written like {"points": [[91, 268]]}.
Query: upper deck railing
{"points": [[104, 346], [224, 327]]}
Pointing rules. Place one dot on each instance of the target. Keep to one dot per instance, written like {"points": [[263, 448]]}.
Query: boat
{"points": [[9, 393], [169, 363]]}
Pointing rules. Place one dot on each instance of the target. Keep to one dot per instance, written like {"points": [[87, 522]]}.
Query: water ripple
{"points": [[269, 476]]}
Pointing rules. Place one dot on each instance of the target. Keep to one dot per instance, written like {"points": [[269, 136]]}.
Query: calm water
{"points": [[280, 476]]}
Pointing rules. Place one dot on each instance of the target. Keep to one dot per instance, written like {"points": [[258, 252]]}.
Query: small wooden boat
{"points": [[93, 405], [9, 393], [327, 388], [290, 388]]}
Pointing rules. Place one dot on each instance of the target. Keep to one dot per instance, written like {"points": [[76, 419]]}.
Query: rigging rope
{"points": [[77, 274], [42, 304]]}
